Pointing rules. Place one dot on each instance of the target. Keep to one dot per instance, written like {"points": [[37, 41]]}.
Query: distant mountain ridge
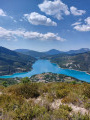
{"points": [[82, 50], [50, 52], [53, 52], [30, 52], [11, 62], [38, 54]]}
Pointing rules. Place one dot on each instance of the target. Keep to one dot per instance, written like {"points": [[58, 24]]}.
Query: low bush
{"points": [[25, 80], [50, 97], [79, 116], [86, 90], [25, 90], [62, 93], [15, 106], [71, 98], [60, 114], [65, 107], [87, 105]]}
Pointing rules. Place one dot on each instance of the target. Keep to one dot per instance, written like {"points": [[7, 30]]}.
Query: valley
{"points": [[27, 63]]}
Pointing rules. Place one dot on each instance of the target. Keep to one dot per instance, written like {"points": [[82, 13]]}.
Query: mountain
{"points": [[82, 50], [31, 52], [72, 61], [50, 52], [11, 62], [38, 54], [53, 52]]}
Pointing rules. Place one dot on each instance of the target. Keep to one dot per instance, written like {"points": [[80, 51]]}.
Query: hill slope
{"points": [[45, 101], [11, 62], [31, 52], [53, 52], [77, 62], [82, 50]]}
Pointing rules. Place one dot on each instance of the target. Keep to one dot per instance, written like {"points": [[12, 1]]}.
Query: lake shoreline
{"points": [[71, 69], [51, 62], [44, 66]]}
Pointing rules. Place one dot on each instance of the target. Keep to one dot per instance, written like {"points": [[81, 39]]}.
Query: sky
{"points": [[42, 25]]}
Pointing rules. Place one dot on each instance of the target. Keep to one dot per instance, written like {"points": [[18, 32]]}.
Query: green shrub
{"points": [[10, 102], [1, 88], [86, 90], [25, 80], [46, 116], [87, 106], [60, 114], [29, 111], [25, 90], [5, 84], [71, 98], [65, 107], [61, 93], [50, 98], [79, 116], [43, 88], [15, 106]]}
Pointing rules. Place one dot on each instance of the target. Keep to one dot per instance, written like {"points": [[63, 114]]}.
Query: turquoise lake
{"points": [[42, 66]]}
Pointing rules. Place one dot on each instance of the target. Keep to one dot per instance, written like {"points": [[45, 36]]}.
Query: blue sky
{"points": [[45, 24]]}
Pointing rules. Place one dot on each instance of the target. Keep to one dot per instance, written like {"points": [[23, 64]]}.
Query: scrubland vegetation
{"points": [[45, 101]]}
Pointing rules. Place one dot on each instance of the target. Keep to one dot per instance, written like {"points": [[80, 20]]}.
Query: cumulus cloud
{"points": [[77, 12], [38, 19], [83, 27], [55, 8], [13, 34], [2, 13], [87, 20]]}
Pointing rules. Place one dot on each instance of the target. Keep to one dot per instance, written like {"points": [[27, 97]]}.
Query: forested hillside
{"points": [[11, 62], [73, 61]]}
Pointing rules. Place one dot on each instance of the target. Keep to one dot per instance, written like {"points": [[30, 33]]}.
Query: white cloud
{"points": [[55, 8], [77, 12], [2, 13], [76, 23], [13, 34], [38, 19], [83, 27], [87, 20]]}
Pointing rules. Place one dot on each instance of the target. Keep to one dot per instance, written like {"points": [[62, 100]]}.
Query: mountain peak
{"points": [[53, 52]]}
